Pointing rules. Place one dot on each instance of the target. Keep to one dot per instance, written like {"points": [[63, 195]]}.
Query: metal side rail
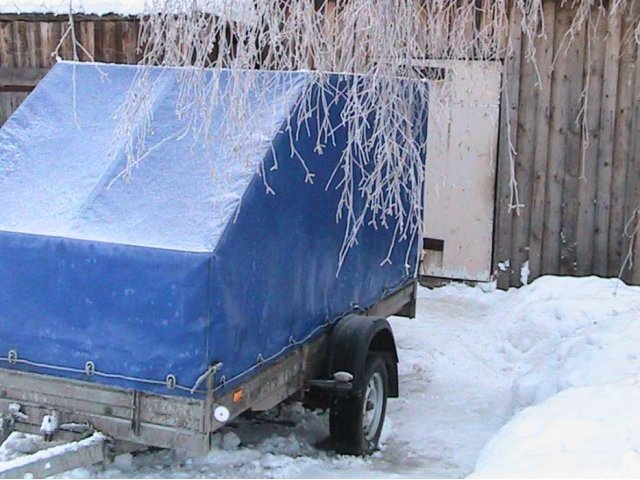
{"points": [[179, 423], [124, 415]]}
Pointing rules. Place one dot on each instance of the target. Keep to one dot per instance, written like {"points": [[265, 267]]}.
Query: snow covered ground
{"points": [[539, 381]]}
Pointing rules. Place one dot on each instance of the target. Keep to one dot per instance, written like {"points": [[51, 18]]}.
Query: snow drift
{"points": [[586, 432], [572, 345]]}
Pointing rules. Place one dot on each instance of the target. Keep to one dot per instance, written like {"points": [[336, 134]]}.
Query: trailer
{"points": [[157, 308]]}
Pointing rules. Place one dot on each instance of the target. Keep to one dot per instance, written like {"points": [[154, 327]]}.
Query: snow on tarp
{"points": [[56, 177], [164, 274]]}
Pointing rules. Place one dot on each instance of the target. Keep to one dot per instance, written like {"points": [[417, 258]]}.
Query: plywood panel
{"points": [[460, 185]]}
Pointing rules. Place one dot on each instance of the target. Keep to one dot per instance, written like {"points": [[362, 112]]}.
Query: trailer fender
{"points": [[353, 338]]}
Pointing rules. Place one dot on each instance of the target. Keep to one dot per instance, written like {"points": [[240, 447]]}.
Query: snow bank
{"points": [[57, 450], [563, 333], [573, 348], [579, 433]]}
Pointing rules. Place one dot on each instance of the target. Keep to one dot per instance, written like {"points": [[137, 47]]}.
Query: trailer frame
{"points": [[179, 423]]}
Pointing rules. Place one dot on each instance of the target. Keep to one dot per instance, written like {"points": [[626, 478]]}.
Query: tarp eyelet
{"points": [[170, 381], [12, 357], [90, 368]]}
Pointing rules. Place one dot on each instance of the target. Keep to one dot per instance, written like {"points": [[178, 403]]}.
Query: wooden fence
{"points": [[578, 181], [27, 42]]}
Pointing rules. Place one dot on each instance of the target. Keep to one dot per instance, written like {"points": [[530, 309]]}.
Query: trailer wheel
{"points": [[356, 421]]}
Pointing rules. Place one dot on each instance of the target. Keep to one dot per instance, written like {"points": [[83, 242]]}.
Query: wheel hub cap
{"points": [[372, 407]]}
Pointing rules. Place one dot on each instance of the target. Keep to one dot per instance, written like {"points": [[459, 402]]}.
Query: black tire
{"points": [[351, 432]]}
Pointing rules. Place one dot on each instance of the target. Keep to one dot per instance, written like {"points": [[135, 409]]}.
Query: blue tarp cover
{"points": [[190, 261]]}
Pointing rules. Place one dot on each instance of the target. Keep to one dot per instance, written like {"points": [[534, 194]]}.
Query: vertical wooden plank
{"points": [[594, 72], [444, 46], [634, 275], [6, 45], [105, 38], [632, 188], [508, 123], [32, 44], [6, 60], [76, 49], [502, 35], [19, 43], [87, 38], [66, 49], [605, 148], [468, 27], [24, 46], [545, 53], [5, 107], [54, 32], [16, 99], [98, 37], [574, 60], [110, 49], [45, 49], [118, 42], [486, 47], [41, 41], [621, 152], [560, 88], [525, 147], [128, 41]]}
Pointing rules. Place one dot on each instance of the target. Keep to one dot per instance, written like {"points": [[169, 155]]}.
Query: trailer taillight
{"points": [[238, 395]]}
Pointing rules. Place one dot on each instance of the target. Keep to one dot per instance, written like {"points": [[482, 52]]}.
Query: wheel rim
{"points": [[372, 407]]}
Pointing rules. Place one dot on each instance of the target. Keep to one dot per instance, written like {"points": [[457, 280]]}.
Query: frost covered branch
{"points": [[380, 174], [631, 231], [69, 34]]}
